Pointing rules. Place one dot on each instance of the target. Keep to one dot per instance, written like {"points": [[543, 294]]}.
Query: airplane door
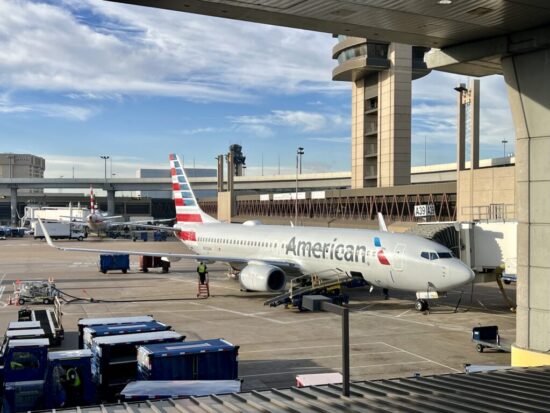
{"points": [[398, 257]]}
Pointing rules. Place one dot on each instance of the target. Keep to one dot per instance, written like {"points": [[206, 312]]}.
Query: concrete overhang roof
{"points": [[420, 22]]}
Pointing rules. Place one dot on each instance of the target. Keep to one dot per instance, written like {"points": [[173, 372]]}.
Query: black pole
{"points": [[345, 352]]}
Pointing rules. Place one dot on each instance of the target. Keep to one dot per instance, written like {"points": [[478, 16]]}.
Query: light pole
{"points": [[299, 153], [105, 157], [504, 142]]}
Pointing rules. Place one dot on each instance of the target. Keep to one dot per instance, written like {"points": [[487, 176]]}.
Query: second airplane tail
{"points": [[187, 208]]}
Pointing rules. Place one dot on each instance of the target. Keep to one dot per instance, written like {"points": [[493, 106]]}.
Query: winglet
{"points": [[46, 235], [381, 223]]}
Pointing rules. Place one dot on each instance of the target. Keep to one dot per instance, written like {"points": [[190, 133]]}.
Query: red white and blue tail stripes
{"points": [[187, 208]]}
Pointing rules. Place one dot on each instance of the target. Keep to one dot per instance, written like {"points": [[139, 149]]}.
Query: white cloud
{"points": [[51, 110], [144, 51], [434, 109], [304, 121]]}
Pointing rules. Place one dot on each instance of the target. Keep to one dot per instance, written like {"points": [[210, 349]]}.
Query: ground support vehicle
{"points": [[330, 287], [59, 230], [34, 292], [113, 262], [146, 262], [50, 321], [488, 337], [214, 359]]}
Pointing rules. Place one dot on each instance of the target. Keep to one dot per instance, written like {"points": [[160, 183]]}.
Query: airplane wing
{"points": [[208, 258], [159, 227]]}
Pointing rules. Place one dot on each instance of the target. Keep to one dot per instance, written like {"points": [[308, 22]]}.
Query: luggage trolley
{"points": [[488, 337]]}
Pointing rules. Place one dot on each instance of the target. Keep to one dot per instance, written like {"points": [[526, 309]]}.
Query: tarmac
{"points": [[388, 338]]}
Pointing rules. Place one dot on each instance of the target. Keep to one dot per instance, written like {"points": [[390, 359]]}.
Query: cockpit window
{"points": [[432, 255], [445, 255]]}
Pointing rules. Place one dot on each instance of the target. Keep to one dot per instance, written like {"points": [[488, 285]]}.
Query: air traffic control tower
{"points": [[381, 74]]}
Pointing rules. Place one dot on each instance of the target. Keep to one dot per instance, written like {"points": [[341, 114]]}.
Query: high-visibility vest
{"points": [[201, 268], [75, 382]]}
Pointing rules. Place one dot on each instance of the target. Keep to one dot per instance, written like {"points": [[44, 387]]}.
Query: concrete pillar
{"points": [[394, 118], [358, 171], [111, 202], [13, 198], [226, 206], [474, 123], [230, 171], [220, 172], [528, 87]]}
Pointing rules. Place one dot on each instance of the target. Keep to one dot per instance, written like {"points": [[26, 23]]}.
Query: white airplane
{"points": [[98, 221], [266, 254]]}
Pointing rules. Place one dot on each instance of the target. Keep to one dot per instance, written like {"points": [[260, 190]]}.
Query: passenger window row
{"points": [[239, 242]]}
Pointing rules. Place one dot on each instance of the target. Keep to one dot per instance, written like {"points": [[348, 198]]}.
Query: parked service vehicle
{"points": [[59, 230], [35, 292]]}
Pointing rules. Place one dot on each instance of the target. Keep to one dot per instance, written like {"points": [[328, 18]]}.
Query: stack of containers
{"points": [[104, 321], [215, 359], [114, 358], [89, 333]]}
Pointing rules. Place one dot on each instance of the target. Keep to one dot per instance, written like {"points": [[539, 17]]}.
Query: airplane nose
{"points": [[463, 273]]}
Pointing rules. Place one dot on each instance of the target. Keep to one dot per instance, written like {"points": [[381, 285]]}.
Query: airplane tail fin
{"points": [[187, 208], [93, 207]]}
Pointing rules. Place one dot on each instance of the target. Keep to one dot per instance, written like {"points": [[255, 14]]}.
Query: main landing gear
{"points": [[421, 305]]}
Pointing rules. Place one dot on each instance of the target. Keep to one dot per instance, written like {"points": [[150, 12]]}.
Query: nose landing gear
{"points": [[421, 305]]}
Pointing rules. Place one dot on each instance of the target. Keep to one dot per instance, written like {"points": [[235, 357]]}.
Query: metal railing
{"points": [[491, 212], [359, 207]]}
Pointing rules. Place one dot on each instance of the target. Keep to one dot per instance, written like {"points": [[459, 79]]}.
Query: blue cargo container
{"points": [[25, 378], [113, 330], [114, 361], [104, 321], [193, 360], [108, 262], [69, 381]]}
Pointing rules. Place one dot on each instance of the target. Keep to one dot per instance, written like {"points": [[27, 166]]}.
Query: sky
{"points": [[84, 78]]}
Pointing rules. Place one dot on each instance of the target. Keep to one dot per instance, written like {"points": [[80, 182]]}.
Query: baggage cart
{"points": [[114, 362], [146, 262], [215, 359], [114, 330], [50, 321], [69, 379], [105, 321], [488, 337], [110, 262]]}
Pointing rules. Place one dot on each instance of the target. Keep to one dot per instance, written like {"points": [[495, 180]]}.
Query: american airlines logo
{"points": [[333, 251]]}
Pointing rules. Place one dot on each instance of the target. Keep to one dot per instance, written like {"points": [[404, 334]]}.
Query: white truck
{"points": [[59, 230]]}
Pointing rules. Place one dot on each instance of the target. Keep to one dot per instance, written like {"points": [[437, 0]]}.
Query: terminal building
{"points": [[14, 165]]}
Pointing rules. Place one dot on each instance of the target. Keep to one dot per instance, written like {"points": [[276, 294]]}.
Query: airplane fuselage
{"points": [[384, 259]]}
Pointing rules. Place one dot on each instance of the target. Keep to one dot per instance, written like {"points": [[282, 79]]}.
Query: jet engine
{"points": [[262, 277]]}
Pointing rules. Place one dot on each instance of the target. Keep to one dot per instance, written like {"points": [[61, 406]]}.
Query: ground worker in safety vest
{"points": [[202, 270]]}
